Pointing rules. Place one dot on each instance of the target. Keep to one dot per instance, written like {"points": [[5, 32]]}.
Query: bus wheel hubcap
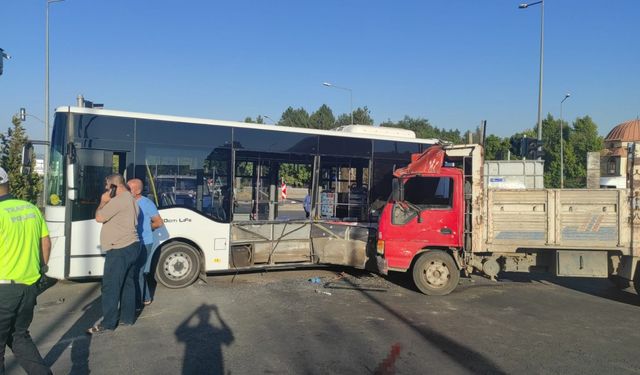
{"points": [[177, 265], [436, 274]]}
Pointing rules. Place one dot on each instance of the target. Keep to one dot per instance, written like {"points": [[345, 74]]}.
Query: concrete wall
{"points": [[593, 170]]}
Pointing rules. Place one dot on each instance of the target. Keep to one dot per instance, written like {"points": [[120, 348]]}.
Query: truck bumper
{"points": [[383, 266]]}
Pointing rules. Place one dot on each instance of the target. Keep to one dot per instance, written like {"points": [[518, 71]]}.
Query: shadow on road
{"points": [[77, 340], [598, 287], [60, 320], [594, 286], [45, 283], [203, 341], [462, 355]]}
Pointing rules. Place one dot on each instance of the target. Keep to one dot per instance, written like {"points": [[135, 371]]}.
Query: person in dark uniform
{"points": [[24, 248]]}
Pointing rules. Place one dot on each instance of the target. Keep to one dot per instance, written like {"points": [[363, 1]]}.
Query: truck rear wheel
{"points": [[178, 265], [435, 273]]}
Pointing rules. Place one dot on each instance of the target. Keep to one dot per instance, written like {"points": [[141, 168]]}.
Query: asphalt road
{"points": [[281, 323]]}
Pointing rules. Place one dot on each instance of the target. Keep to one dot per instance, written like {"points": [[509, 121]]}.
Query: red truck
{"points": [[442, 221]]}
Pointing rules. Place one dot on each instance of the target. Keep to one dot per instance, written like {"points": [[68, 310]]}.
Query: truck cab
{"points": [[422, 226]]}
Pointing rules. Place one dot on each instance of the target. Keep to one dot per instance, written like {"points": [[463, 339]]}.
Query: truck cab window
{"points": [[429, 192]]}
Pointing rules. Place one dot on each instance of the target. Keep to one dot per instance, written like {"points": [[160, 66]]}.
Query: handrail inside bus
{"points": [[152, 183]]}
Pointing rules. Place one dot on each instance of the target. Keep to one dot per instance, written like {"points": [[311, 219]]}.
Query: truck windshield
{"points": [[55, 190], [429, 192]]}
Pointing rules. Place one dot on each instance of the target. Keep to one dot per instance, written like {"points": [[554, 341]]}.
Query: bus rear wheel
{"points": [[435, 273], [178, 265]]}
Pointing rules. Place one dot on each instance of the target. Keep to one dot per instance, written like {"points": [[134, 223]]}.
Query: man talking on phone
{"points": [[118, 213]]}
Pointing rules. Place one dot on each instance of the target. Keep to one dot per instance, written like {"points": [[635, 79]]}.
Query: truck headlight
{"points": [[380, 247]]}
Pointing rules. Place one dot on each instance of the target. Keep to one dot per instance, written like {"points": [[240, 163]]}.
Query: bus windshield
{"points": [[55, 190]]}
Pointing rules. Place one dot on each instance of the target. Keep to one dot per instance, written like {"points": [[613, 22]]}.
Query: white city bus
{"points": [[217, 185]]}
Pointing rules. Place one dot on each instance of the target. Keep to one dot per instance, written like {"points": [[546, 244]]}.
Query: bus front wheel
{"points": [[435, 273], [178, 265]]}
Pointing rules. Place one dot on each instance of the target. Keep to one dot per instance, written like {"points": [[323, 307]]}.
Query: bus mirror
{"points": [[71, 176], [395, 190], [27, 158], [72, 195]]}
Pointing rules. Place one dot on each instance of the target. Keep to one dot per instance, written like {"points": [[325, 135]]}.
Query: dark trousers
{"points": [[16, 312], [143, 293], [118, 286]]}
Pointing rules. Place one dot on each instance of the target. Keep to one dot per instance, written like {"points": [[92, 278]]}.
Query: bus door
{"points": [[92, 167], [342, 234], [344, 189], [270, 225], [255, 189]]}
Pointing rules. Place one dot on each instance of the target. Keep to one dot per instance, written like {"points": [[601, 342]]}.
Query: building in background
{"points": [[613, 159]]}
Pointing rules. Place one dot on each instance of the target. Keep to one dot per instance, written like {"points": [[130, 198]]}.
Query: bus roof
{"points": [[351, 131]]}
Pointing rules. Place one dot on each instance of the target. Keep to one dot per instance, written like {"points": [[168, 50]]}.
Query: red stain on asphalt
{"points": [[387, 367]]}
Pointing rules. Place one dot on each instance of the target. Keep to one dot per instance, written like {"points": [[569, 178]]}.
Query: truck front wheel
{"points": [[435, 273]]}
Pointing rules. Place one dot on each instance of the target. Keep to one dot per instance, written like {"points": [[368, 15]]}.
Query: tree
{"points": [[424, 129], [496, 148], [361, 116], [582, 139], [516, 139], [23, 186], [476, 135], [551, 148], [322, 118], [296, 175], [297, 118], [579, 139], [258, 120]]}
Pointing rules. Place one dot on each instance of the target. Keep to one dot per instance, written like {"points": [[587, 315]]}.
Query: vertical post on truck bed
{"points": [[472, 156]]}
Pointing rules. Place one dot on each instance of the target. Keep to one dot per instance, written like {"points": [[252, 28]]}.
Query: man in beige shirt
{"points": [[118, 213]]}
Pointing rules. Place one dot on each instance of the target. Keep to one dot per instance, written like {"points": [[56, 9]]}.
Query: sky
{"points": [[453, 62]]}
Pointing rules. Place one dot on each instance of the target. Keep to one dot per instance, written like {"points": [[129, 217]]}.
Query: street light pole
{"points": [[46, 101], [269, 118], [327, 84], [566, 96], [3, 55], [23, 117], [524, 6]]}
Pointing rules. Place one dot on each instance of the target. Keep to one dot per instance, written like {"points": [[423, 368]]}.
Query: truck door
{"points": [[427, 215]]}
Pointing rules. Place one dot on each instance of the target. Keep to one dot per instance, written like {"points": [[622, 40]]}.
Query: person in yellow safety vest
{"points": [[24, 252]]}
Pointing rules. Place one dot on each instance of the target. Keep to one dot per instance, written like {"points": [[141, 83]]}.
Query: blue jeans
{"points": [[143, 269], [118, 286]]}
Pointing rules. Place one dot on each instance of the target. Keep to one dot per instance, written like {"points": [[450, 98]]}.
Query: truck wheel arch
{"points": [[452, 253], [435, 272]]}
